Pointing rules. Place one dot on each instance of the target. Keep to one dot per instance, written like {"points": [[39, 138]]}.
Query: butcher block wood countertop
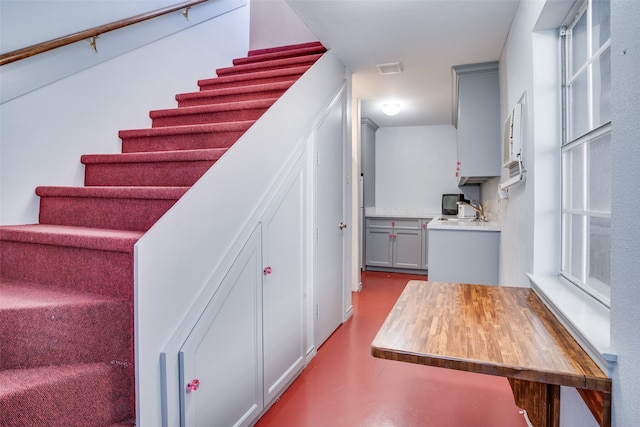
{"points": [[495, 330]]}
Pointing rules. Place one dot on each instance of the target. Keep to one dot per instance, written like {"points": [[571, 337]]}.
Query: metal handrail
{"points": [[93, 33]]}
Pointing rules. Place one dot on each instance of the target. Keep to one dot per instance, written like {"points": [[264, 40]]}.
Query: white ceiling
{"points": [[427, 36]]}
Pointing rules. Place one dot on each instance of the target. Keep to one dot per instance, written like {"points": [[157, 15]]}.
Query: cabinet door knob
{"points": [[267, 271], [193, 385], [342, 226]]}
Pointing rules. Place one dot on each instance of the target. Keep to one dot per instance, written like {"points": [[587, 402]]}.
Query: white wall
{"points": [[625, 232], [273, 23], [516, 213], [415, 165], [45, 131]]}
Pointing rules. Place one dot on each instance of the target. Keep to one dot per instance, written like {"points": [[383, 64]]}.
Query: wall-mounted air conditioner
{"points": [[512, 139]]}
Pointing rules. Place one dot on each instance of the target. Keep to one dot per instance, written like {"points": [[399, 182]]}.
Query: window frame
{"points": [[593, 287]]}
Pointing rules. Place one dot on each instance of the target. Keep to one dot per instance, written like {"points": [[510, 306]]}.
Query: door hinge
{"points": [[317, 311]]}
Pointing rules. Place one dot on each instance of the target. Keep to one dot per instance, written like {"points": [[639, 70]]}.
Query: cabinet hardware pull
{"points": [[342, 226], [193, 385], [267, 271]]}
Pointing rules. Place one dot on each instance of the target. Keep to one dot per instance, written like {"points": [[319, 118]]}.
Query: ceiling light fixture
{"points": [[389, 68], [391, 108]]}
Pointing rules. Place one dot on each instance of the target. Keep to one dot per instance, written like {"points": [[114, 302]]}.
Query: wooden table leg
{"points": [[540, 400]]}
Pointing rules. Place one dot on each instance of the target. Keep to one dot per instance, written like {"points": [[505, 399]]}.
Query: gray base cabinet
{"points": [[395, 243], [464, 256]]}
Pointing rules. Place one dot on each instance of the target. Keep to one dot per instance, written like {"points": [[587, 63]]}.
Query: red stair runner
{"points": [[66, 283]]}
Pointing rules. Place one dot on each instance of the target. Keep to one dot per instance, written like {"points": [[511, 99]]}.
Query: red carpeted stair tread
{"points": [[151, 193], [42, 325], [274, 64], [155, 168], [78, 237], [288, 48], [187, 129], [253, 78], [95, 394], [230, 94], [155, 156], [15, 295], [259, 55], [122, 208], [188, 137], [223, 112]]}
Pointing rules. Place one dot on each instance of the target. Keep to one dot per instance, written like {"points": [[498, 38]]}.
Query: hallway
{"points": [[345, 386]]}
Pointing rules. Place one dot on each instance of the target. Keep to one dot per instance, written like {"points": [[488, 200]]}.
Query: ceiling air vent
{"points": [[389, 68]]}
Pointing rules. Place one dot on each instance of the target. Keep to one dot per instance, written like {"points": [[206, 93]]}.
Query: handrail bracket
{"points": [[185, 12], [93, 43]]}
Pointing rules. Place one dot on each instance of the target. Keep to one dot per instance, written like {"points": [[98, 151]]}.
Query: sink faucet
{"points": [[478, 208]]}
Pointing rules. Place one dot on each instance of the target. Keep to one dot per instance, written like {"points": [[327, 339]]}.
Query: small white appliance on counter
{"points": [[466, 211]]}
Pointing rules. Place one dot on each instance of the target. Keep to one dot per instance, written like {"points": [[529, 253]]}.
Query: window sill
{"points": [[586, 319]]}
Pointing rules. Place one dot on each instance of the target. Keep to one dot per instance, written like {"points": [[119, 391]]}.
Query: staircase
{"points": [[66, 283]]}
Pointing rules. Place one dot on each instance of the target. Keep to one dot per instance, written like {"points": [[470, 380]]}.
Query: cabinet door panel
{"points": [[283, 288], [224, 350], [407, 252], [378, 242]]}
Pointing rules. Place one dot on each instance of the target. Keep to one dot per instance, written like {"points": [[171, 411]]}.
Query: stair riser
{"points": [[219, 99], [170, 174], [212, 117], [180, 142], [219, 84], [117, 214], [102, 272], [94, 399], [258, 66], [65, 335]]}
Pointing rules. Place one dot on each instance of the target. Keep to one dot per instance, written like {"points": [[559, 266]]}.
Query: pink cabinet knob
{"points": [[267, 271], [193, 385]]}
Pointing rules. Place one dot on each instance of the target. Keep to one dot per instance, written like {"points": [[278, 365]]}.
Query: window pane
{"points": [[602, 89], [579, 106], [576, 242], [600, 23], [566, 242], [579, 44], [599, 252], [600, 174], [573, 178]]}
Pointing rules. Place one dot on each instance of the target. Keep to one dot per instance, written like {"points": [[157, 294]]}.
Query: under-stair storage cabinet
{"points": [[393, 243], [478, 122], [248, 345]]}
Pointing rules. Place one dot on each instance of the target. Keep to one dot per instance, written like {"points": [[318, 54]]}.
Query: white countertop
{"points": [[452, 223], [401, 212]]}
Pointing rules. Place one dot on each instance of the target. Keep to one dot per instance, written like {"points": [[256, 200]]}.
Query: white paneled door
{"points": [[331, 230]]}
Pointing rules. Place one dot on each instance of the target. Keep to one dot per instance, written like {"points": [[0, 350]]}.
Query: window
{"points": [[586, 161]]}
